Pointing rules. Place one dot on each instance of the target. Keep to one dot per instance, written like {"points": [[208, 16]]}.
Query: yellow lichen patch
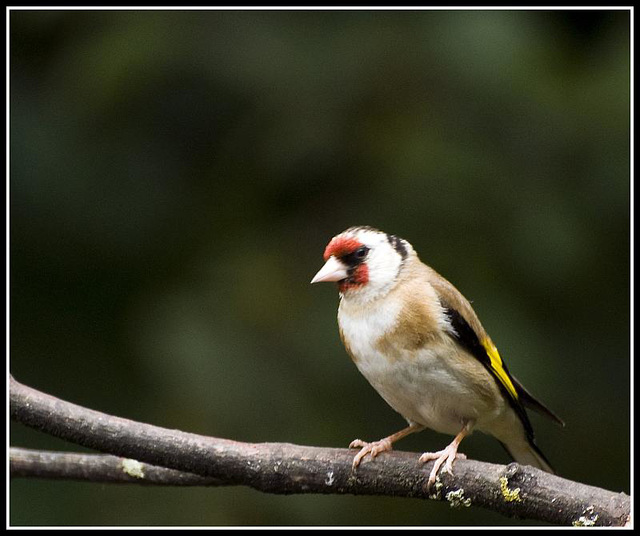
{"points": [[456, 499], [132, 468], [510, 495]]}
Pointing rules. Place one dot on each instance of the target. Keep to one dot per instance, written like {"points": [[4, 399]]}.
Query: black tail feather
{"points": [[529, 401], [529, 454]]}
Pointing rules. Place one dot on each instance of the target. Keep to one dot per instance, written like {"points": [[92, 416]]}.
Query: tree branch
{"points": [[105, 468], [283, 468]]}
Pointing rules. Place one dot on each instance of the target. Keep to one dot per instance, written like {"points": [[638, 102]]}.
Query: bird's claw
{"points": [[446, 456], [374, 448]]}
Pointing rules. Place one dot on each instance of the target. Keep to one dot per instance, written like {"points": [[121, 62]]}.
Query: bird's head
{"points": [[365, 262]]}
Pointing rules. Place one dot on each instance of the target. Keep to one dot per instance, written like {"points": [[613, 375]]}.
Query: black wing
{"points": [[464, 334]]}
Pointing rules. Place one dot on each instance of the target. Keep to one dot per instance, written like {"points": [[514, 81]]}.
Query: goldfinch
{"points": [[419, 343]]}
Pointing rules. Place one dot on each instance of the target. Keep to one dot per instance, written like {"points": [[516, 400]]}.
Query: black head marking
{"points": [[355, 258], [356, 228], [398, 244]]}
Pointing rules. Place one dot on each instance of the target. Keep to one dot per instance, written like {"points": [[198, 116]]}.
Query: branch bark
{"points": [[105, 468], [283, 468]]}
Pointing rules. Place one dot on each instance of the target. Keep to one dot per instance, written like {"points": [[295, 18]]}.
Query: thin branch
{"points": [[283, 468], [105, 468]]}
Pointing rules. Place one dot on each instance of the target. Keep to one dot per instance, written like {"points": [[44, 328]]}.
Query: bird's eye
{"points": [[362, 252]]}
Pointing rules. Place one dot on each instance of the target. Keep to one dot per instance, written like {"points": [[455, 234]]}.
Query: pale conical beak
{"points": [[333, 270]]}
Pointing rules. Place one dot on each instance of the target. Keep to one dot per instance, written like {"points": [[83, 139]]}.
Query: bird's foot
{"points": [[446, 456], [374, 448]]}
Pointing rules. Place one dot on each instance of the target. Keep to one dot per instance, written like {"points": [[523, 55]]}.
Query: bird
{"points": [[420, 344]]}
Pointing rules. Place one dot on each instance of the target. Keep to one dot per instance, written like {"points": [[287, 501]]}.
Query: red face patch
{"points": [[341, 245], [359, 278], [346, 245]]}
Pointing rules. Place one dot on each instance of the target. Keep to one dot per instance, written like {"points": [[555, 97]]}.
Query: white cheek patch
{"points": [[384, 266]]}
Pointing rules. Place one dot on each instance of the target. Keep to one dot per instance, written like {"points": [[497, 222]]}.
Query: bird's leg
{"points": [[376, 447], [447, 455]]}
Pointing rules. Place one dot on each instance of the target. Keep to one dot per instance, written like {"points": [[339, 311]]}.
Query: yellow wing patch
{"points": [[498, 367]]}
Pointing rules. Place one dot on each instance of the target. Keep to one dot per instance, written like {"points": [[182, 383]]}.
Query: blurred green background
{"points": [[176, 175]]}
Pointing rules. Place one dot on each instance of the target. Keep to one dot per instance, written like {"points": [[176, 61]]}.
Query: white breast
{"points": [[420, 385], [362, 326]]}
